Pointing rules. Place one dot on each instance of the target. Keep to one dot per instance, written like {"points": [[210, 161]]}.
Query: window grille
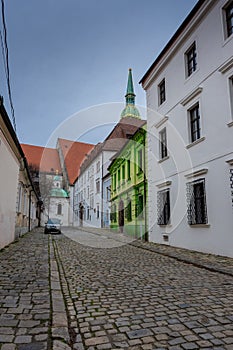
{"points": [[163, 207], [196, 198]]}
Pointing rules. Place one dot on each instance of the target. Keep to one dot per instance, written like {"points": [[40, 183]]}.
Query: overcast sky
{"points": [[70, 55]]}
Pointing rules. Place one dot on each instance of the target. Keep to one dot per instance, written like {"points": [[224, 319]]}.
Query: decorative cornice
{"points": [[197, 173], [230, 161], [161, 122], [191, 96], [226, 66], [164, 184], [196, 142]]}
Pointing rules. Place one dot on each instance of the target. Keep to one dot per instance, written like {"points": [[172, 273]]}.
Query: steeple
{"points": [[130, 95], [130, 110]]}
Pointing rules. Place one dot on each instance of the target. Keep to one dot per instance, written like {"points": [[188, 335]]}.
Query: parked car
{"points": [[53, 226]]}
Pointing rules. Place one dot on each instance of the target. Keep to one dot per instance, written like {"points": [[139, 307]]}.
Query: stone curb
{"points": [[183, 259]]}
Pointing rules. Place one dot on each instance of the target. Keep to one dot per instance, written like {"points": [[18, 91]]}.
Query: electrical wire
{"points": [[6, 63]]}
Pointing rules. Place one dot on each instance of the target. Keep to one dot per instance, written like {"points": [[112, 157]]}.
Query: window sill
{"points": [[163, 159], [230, 124], [195, 142], [199, 225]]}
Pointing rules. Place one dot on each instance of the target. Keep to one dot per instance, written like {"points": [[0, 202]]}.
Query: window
{"points": [[128, 211], [98, 211], [108, 193], [163, 207], [231, 94], [113, 215], [191, 60], [163, 143], [20, 192], [59, 209], [229, 18], [98, 186], [119, 177], [162, 92], [128, 169], [139, 207], [197, 211], [195, 127], [114, 182], [123, 172], [91, 201], [98, 166], [140, 161]]}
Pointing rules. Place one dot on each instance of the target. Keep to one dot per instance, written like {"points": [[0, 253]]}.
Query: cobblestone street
{"points": [[61, 293]]}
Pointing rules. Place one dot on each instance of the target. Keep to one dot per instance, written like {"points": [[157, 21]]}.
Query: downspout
{"points": [[102, 192], [145, 192]]}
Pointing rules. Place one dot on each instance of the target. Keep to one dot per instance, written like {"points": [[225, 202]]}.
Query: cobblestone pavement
{"points": [[96, 292]]}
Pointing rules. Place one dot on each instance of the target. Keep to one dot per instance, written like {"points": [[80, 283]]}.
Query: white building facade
{"points": [[91, 206], [189, 90], [18, 201]]}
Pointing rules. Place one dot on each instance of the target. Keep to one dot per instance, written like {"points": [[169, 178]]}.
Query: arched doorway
{"points": [[121, 216]]}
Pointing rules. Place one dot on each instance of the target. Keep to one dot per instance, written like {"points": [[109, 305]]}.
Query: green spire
{"points": [[130, 110], [130, 95]]}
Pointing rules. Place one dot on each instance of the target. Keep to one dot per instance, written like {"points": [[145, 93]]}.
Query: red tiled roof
{"points": [[42, 158], [73, 153], [117, 138]]}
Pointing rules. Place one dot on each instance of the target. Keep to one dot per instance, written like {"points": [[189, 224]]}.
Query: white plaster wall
{"points": [[9, 171], [64, 217], [212, 153]]}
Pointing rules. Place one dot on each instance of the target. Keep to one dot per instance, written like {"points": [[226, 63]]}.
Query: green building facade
{"points": [[128, 172]]}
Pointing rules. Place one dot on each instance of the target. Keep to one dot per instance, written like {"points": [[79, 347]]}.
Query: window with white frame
{"points": [[194, 123], [140, 160], [228, 18], [59, 209], [163, 143], [163, 207], [98, 166], [231, 184], [231, 94], [161, 92], [196, 198], [191, 60], [98, 186], [20, 193]]}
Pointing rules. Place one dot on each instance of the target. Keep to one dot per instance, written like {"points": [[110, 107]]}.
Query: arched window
{"points": [[59, 209]]}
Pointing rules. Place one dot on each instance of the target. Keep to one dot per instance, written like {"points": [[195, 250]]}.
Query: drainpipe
{"points": [[145, 182], [102, 193]]}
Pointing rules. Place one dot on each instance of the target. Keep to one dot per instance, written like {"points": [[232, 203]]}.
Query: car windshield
{"points": [[53, 221]]}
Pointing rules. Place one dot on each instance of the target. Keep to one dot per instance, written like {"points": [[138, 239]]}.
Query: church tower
{"points": [[130, 110]]}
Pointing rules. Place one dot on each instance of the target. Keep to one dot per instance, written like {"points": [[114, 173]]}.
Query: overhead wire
{"points": [[6, 63]]}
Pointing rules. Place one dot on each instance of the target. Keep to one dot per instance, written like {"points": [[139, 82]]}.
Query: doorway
{"points": [[121, 216]]}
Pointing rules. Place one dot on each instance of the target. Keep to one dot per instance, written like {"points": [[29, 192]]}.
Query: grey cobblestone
{"points": [[131, 296]]}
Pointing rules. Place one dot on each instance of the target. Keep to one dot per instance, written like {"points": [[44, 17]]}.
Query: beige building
{"points": [[18, 200]]}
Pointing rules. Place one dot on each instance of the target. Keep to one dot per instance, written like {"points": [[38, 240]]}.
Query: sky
{"points": [[69, 62]]}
